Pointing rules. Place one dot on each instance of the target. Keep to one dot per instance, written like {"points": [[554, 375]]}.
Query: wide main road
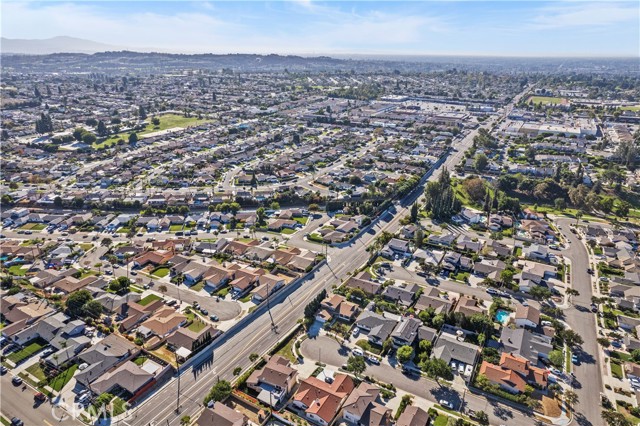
{"points": [[233, 348], [583, 321]]}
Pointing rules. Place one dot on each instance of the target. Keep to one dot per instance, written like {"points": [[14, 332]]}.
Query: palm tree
{"points": [[571, 292], [570, 397]]}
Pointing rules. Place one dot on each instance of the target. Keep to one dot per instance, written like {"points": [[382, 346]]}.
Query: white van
{"points": [[357, 352]]}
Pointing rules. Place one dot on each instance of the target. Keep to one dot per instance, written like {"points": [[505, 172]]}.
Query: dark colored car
{"points": [[17, 381], [17, 422]]}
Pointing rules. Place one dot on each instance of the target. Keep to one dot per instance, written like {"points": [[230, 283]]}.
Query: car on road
{"points": [[16, 422], [203, 311], [575, 360], [39, 396], [492, 291], [17, 381], [446, 404], [134, 273], [589, 271], [554, 247], [373, 360], [357, 352], [213, 317], [594, 308]]}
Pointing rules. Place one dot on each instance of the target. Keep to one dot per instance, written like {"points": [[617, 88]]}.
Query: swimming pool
{"points": [[502, 316]]}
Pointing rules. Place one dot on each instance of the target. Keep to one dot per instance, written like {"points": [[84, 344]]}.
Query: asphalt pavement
{"points": [[588, 384]]}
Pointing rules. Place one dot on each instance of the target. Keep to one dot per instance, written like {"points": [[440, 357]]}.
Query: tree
{"points": [[482, 418], [133, 138], [274, 205], [76, 301], [185, 420], [88, 138], [142, 113], [260, 213], [560, 203], [540, 293], [93, 309], [57, 201], [440, 201], [404, 354], [604, 342], [102, 128], [506, 276], [418, 238], [476, 189], [155, 121], [480, 162], [570, 338], [571, 397], [356, 365], [437, 368], [219, 392], [414, 213], [237, 371], [613, 418], [106, 242], [162, 289]]}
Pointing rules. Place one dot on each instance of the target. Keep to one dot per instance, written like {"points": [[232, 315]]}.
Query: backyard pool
{"points": [[502, 316]]}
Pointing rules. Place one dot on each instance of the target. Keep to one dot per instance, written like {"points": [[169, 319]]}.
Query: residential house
{"points": [[273, 382], [321, 401], [526, 344], [455, 352], [406, 332], [105, 355], [514, 373], [376, 326], [361, 407], [221, 415], [401, 294], [527, 316], [413, 416]]}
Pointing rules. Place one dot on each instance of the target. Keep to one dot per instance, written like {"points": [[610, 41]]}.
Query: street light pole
{"points": [[273, 325]]}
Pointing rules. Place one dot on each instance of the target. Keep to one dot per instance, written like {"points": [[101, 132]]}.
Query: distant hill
{"points": [[61, 44]]}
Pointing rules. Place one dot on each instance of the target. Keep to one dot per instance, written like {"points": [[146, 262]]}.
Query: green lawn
{"points": [[149, 299], [462, 276], [223, 291], [631, 108], [288, 231], [167, 121], [86, 246], [287, 351], [140, 360], [198, 286], [36, 372], [441, 420], [25, 352], [17, 270], [58, 382], [174, 228], [161, 272], [616, 369], [364, 344], [303, 220], [33, 226], [197, 325], [545, 100], [119, 406], [246, 299]]}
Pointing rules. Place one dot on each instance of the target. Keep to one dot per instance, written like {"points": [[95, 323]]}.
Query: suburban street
{"points": [[19, 403], [588, 374]]}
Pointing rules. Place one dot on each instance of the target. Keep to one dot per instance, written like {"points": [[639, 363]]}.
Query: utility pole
{"points": [[273, 325], [178, 400]]}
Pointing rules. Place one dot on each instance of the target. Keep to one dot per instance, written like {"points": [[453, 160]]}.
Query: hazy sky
{"points": [[517, 28]]}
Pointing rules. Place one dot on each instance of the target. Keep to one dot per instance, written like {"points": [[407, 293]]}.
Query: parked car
{"points": [[575, 360], [3, 370], [213, 317], [446, 404], [40, 397], [16, 422], [204, 311], [357, 352], [373, 360], [83, 366], [17, 381]]}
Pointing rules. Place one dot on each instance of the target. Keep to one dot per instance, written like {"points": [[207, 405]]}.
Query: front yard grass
{"points": [[197, 325], [18, 270], [616, 369], [58, 382], [302, 220], [26, 352], [160, 272], [36, 372], [174, 228], [288, 231], [149, 299], [198, 286], [287, 351]]}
